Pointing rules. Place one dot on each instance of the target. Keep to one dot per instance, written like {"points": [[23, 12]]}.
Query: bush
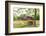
{"points": [[37, 17]]}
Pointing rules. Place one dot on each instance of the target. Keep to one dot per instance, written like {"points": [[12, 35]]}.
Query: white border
{"points": [[12, 30]]}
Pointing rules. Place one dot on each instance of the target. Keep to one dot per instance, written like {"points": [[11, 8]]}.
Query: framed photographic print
{"points": [[24, 17]]}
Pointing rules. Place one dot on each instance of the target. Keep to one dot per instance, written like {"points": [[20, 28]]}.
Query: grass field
{"points": [[25, 23]]}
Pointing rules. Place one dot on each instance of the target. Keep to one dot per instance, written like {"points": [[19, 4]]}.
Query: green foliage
{"points": [[14, 18], [37, 17], [34, 13]]}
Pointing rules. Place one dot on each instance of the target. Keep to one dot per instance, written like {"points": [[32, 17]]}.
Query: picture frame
{"points": [[14, 6]]}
